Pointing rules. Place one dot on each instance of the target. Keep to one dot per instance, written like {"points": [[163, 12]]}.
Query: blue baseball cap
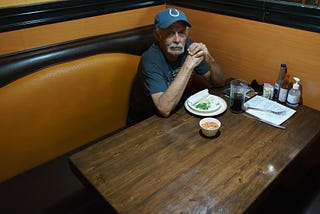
{"points": [[167, 17]]}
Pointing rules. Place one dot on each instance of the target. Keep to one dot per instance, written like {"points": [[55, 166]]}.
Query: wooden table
{"points": [[164, 165]]}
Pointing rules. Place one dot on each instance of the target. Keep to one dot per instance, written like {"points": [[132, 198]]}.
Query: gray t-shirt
{"points": [[154, 75]]}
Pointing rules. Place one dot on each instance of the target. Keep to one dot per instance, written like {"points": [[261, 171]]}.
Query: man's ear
{"points": [[156, 35]]}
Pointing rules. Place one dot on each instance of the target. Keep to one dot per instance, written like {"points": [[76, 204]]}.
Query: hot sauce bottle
{"points": [[284, 88]]}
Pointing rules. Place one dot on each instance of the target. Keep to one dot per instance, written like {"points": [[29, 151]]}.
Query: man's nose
{"points": [[177, 37]]}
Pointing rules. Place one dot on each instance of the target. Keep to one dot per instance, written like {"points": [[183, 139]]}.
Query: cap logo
{"points": [[175, 14]]}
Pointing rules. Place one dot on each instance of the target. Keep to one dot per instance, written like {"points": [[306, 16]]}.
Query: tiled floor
{"points": [[53, 188]]}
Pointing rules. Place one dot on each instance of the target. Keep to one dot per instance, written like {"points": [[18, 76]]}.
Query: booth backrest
{"points": [[134, 41], [50, 104]]}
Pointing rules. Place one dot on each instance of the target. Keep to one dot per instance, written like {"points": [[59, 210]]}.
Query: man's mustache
{"points": [[176, 46]]}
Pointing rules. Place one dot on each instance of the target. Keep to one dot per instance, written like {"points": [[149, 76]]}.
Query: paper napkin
{"points": [[194, 99]]}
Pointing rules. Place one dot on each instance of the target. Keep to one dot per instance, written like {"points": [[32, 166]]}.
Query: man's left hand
{"points": [[198, 50]]}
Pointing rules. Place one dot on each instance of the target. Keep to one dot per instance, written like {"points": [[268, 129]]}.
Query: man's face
{"points": [[173, 39]]}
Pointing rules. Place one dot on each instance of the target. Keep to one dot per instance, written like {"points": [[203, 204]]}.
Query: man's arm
{"points": [[215, 75], [166, 101]]}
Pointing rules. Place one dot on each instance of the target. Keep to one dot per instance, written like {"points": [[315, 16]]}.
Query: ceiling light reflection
{"points": [[271, 169]]}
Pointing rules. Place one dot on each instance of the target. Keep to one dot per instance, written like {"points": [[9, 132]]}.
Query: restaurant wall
{"points": [[24, 39], [246, 49], [254, 50], [9, 3]]}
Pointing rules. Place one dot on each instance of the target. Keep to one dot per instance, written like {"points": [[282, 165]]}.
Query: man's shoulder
{"points": [[152, 53], [153, 49]]}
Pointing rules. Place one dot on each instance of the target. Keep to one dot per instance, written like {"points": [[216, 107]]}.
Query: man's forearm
{"points": [[169, 99]]}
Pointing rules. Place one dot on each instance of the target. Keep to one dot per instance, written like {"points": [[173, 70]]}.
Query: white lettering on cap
{"points": [[172, 14]]}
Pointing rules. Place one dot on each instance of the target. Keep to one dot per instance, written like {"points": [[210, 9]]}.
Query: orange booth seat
{"points": [[55, 109]]}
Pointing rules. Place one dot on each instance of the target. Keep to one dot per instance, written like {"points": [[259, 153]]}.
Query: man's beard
{"points": [[175, 52]]}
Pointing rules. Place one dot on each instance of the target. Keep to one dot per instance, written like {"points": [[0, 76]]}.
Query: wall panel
{"points": [[9, 3], [34, 37], [246, 49], [254, 50]]}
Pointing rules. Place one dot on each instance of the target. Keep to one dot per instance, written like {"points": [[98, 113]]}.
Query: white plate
{"points": [[208, 114], [215, 104]]}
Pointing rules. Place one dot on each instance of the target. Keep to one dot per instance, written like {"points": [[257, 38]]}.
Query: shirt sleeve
{"points": [[154, 79], [202, 68]]}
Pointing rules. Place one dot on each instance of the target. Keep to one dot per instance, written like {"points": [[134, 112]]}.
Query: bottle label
{"points": [[283, 94], [293, 100]]}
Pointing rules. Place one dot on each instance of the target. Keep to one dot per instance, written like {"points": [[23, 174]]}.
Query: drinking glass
{"points": [[238, 90]]}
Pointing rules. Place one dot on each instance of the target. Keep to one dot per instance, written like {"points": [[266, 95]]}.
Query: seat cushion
{"points": [[59, 108]]}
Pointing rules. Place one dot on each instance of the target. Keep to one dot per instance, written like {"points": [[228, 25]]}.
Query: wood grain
{"points": [[164, 165]]}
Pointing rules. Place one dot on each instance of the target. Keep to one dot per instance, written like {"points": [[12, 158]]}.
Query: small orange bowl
{"points": [[209, 126]]}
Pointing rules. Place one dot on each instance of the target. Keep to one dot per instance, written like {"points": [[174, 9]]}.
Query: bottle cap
{"points": [[296, 84], [287, 75]]}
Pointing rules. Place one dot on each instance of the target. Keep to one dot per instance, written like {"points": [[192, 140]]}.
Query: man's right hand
{"points": [[192, 61]]}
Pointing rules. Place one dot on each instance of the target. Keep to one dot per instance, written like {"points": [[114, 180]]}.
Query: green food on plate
{"points": [[204, 105], [207, 103]]}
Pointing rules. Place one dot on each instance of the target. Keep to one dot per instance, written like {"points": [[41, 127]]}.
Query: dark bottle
{"points": [[278, 83]]}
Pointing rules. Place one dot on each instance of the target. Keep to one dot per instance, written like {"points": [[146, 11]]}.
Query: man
{"points": [[166, 68]]}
